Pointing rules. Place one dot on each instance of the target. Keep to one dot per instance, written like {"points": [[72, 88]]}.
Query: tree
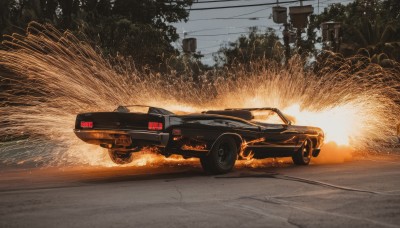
{"points": [[139, 29], [369, 25], [250, 48]]}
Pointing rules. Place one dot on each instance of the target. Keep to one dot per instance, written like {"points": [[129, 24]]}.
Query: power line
{"points": [[216, 1], [229, 33], [223, 34], [238, 17], [230, 27], [228, 18], [241, 6], [245, 14], [279, 3]]}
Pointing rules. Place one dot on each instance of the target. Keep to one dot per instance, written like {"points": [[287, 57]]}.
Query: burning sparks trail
{"points": [[47, 77]]}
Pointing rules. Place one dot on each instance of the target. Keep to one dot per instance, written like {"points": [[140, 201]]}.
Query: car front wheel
{"points": [[222, 157], [303, 155]]}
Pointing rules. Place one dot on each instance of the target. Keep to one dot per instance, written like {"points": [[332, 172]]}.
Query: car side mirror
{"points": [[289, 122]]}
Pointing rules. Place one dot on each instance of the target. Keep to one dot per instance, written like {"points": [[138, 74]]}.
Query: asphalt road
{"points": [[361, 193]]}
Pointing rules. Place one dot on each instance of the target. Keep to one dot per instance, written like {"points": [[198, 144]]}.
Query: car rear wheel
{"points": [[303, 155], [222, 156], [120, 157]]}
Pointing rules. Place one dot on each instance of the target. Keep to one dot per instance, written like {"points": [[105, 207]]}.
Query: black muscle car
{"points": [[217, 137]]}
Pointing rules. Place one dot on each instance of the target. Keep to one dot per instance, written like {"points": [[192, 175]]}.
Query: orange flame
{"points": [[354, 104]]}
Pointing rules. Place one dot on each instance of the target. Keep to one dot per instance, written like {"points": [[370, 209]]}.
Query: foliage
{"points": [[369, 27], [139, 29], [250, 48]]}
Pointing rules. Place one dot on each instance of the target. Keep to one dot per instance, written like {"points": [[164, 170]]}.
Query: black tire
{"points": [[304, 154], [120, 157], [222, 156]]}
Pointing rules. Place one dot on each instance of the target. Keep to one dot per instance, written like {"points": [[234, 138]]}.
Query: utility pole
{"points": [[286, 40], [298, 36], [298, 20], [280, 17]]}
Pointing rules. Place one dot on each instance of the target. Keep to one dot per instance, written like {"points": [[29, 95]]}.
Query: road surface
{"points": [[363, 193]]}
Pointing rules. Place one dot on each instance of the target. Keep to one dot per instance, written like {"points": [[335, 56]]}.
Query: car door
{"points": [[248, 131], [278, 135], [279, 138]]}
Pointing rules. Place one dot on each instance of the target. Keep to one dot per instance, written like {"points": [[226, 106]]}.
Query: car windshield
{"points": [[137, 109], [142, 109], [267, 116]]}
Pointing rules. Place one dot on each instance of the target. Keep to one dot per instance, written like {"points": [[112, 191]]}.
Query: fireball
{"points": [[52, 76]]}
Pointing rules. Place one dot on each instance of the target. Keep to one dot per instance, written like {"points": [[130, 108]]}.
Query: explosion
{"points": [[48, 77]]}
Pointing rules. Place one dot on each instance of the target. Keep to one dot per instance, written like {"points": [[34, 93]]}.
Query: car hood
{"points": [[307, 129]]}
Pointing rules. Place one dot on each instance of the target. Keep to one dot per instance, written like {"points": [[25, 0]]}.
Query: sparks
{"points": [[51, 76]]}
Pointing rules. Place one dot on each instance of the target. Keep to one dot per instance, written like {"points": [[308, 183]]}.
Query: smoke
{"points": [[50, 76]]}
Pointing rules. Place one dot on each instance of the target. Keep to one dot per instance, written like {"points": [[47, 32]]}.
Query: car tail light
{"points": [[155, 126], [86, 124]]}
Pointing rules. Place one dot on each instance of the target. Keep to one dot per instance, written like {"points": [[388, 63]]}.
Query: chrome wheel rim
{"points": [[306, 151], [224, 155]]}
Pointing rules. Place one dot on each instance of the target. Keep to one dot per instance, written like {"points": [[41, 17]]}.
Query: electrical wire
{"points": [[245, 14], [230, 27], [229, 18], [241, 6], [275, 27], [217, 1], [238, 17], [223, 34], [203, 37]]}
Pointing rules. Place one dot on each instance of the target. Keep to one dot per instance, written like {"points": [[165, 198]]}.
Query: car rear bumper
{"points": [[139, 137]]}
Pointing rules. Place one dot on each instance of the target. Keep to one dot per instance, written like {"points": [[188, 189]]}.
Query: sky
{"points": [[215, 27]]}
